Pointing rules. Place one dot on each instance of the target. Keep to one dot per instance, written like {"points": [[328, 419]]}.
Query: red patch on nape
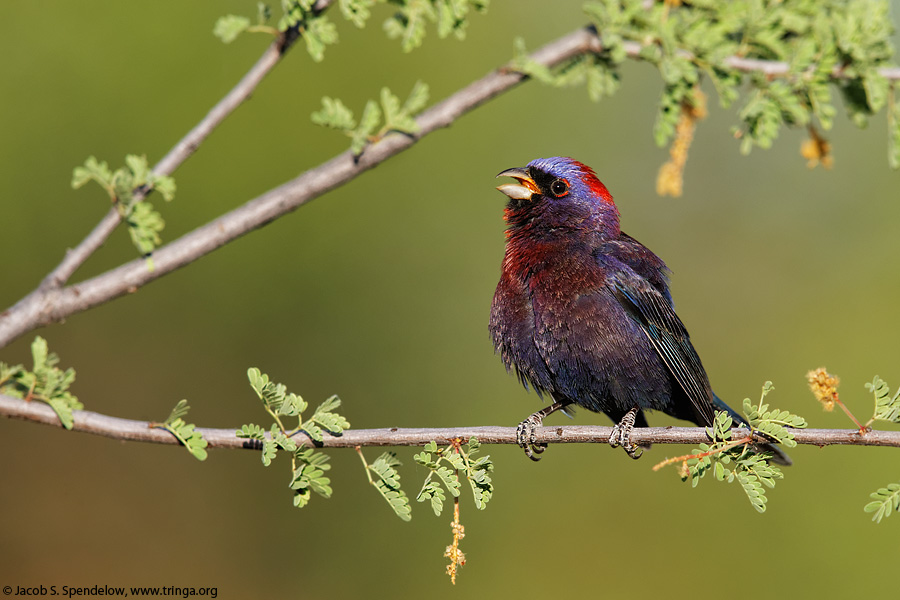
{"points": [[590, 179]]}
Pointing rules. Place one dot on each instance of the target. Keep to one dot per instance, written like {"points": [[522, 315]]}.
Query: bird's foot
{"points": [[525, 437], [621, 435]]}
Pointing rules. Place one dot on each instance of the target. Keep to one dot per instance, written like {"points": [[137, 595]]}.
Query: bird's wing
{"points": [[656, 317]]}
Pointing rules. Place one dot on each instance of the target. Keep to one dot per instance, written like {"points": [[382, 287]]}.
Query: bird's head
{"points": [[559, 193]]}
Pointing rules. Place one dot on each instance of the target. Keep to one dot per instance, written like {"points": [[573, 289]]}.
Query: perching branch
{"points": [[139, 431]]}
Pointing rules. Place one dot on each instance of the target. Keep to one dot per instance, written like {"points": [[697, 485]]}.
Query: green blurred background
{"points": [[380, 291]]}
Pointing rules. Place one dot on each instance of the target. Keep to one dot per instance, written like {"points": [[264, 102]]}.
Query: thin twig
{"points": [[139, 431]]}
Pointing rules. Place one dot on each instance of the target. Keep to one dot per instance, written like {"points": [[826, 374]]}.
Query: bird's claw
{"points": [[525, 437], [621, 435]]}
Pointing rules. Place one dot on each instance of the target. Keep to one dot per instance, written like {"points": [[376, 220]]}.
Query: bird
{"points": [[583, 312]]}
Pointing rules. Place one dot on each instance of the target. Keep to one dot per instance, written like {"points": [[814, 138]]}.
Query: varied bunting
{"points": [[583, 311]]}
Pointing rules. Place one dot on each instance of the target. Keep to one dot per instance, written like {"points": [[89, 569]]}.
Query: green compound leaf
{"points": [[721, 428], [185, 433], [273, 395], [368, 124], [181, 410], [425, 459], [144, 227], [283, 441], [308, 466], [356, 11], [9, 372], [316, 29], [827, 45], [251, 431], [772, 423], [409, 23], [733, 460], [227, 28], [263, 13], [144, 223], [433, 492], [445, 466], [292, 405], [887, 407], [395, 118], [325, 418], [45, 382], [480, 482], [258, 380], [417, 99], [885, 502], [450, 479], [309, 476], [313, 431], [93, 170], [387, 482], [334, 115], [523, 63], [320, 32], [269, 451]]}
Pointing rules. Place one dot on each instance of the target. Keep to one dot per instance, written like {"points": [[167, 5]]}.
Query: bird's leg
{"points": [[525, 431], [621, 434]]}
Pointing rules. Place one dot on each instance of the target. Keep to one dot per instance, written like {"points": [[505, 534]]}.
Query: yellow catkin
{"points": [[670, 179], [824, 387], [816, 150], [456, 556]]}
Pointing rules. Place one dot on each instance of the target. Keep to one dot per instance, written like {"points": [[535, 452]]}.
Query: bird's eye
{"points": [[559, 188]]}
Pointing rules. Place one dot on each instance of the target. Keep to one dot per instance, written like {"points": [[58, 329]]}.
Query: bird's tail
{"points": [[778, 455]]}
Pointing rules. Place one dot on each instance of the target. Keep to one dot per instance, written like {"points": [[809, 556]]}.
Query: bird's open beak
{"points": [[521, 191]]}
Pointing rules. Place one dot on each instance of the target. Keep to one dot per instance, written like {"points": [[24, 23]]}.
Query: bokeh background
{"points": [[380, 291]]}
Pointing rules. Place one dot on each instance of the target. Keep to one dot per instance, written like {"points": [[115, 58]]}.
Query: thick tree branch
{"points": [[140, 431]]}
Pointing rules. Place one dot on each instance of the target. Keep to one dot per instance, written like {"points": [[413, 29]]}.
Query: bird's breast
{"points": [[540, 295]]}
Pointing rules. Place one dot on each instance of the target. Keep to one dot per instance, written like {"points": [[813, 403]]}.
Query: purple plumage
{"points": [[583, 313]]}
